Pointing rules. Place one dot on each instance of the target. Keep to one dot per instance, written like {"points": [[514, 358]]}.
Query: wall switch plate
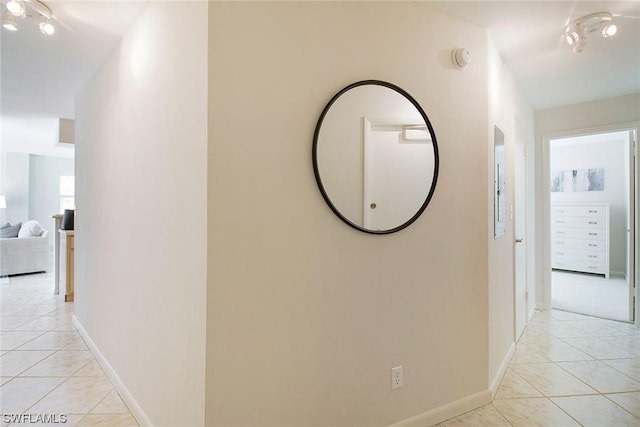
{"points": [[396, 377]]}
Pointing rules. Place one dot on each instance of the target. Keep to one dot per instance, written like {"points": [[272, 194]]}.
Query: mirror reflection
{"points": [[375, 157]]}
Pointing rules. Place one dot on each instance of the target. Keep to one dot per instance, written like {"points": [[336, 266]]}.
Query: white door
{"points": [[520, 227], [392, 167]]}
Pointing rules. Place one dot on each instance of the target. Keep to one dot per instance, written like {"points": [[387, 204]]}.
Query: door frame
{"points": [[546, 204], [522, 194]]}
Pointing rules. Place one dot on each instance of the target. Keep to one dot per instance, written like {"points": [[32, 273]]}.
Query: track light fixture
{"points": [[37, 9], [576, 32], [9, 21]]}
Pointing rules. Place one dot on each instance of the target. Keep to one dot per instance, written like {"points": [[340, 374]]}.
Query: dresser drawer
{"points": [[573, 265], [578, 222], [579, 210], [585, 244], [579, 254], [578, 233]]}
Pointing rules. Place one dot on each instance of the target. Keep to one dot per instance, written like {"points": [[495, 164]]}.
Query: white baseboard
{"points": [[124, 392], [495, 383], [448, 411], [531, 314]]}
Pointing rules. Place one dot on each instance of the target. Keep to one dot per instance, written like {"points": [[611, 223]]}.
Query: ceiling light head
{"points": [[609, 30], [45, 25], [16, 7], [572, 38], [9, 21]]}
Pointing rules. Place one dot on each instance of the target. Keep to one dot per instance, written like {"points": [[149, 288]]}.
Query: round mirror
{"points": [[375, 157]]}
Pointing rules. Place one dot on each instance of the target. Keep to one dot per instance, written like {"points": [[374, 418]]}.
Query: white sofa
{"points": [[20, 255]]}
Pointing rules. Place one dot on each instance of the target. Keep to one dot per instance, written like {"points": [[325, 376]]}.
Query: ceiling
{"points": [[42, 75], [528, 36]]}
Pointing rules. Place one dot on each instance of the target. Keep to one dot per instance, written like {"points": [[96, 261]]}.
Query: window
{"points": [[67, 193]]}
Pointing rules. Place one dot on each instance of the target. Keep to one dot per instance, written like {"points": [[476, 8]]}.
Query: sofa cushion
{"points": [[31, 228], [11, 231]]}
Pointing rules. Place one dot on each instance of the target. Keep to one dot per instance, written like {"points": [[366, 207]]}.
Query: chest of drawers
{"points": [[580, 237]]}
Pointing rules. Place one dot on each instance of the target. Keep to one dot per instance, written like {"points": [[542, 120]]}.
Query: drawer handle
{"points": [[592, 245], [559, 253], [559, 232], [592, 267], [560, 210], [593, 256], [593, 234], [592, 211], [593, 222], [560, 222]]}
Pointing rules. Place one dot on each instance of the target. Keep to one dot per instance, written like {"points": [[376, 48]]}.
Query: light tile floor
{"points": [[45, 366], [568, 369]]}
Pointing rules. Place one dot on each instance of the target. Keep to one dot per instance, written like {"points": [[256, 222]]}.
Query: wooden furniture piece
{"points": [[66, 266], [57, 221], [580, 237]]}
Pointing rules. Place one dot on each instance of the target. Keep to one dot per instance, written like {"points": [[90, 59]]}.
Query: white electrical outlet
{"points": [[396, 377]]}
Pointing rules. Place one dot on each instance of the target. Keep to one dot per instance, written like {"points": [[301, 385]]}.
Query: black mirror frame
{"points": [[316, 170]]}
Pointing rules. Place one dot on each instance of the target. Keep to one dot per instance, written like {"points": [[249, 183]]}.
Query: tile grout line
{"points": [[620, 406], [568, 414], [501, 414]]}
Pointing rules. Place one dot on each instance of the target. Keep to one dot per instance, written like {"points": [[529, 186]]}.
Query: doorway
{"points": [[592, 225]]}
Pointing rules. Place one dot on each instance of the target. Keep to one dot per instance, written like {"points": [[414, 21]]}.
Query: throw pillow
{"points": [[11, 231], [5, 226], [31, 228]]}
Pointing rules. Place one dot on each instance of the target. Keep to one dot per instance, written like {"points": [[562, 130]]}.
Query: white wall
{"points": [[606, 151], [15, 187], [44, 187], [565, 121], [141, 225], [507, 110], [307, 316]]}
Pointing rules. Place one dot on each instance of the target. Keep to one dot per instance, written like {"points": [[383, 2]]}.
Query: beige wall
{"points": [[307, 316], [507, 110], [141, 223], [600, 115]]}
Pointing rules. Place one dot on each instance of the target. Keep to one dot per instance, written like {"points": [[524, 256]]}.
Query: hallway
{"points": [[568, 369]]}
